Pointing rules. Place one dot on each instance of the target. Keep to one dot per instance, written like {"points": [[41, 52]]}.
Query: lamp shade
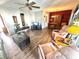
{"points": [[73, 29]]}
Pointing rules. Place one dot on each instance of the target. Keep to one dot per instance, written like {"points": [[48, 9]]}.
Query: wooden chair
{"points": [[45, 49]]}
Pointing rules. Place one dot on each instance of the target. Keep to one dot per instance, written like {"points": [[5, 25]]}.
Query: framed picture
{"points": [[15, 19]]}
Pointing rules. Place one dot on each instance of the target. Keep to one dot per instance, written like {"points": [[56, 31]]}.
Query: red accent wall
{"points": [[65, 15]]}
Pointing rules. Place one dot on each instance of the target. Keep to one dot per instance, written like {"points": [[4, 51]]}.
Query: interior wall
{"points": [[28, 16], [40, 17], [65, 14], [46, 18], [7, 16], [1, 24]]}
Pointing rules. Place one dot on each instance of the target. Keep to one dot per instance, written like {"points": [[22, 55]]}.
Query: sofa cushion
{"points": [[69, 53], [64, 53], [21, 39], [55, 55]]}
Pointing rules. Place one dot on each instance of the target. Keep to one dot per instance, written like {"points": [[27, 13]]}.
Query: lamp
{"points": [[73, 29]]}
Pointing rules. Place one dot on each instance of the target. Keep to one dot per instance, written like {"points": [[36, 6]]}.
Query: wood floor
{"points": [[30, 52]]}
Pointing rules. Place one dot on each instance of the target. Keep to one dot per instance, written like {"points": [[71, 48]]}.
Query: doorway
{"points": [[55, 21]]}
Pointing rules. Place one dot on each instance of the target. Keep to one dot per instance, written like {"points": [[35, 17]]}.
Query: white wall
{"points": [[7, 16], [39, 17], [28, 16]]}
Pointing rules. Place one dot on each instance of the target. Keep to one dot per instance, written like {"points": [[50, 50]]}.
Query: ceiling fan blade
{"points": [[30, 8], [35, 6], [32, 3], [20, 3]]}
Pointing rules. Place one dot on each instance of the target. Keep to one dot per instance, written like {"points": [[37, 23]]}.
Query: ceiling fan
{"points": [[28, 4]]}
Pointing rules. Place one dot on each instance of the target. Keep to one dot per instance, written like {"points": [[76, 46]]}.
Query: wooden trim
{"points": [[4, 28]]}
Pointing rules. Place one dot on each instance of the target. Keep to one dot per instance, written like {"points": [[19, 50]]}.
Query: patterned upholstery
{"points": [[45, 49], [21, 39]]}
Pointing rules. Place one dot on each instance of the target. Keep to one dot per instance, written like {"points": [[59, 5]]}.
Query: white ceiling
{"points": [[11, 4]]}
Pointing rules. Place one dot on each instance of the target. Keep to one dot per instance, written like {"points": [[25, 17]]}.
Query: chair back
{"points": [[45, 49]]}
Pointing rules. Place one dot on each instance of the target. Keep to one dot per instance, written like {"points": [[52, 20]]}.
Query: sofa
{"points": [[69, 52], [58, 37], [21, 39]]}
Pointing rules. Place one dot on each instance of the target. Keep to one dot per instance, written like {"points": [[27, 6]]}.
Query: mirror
{"points": [[22, 19]]}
